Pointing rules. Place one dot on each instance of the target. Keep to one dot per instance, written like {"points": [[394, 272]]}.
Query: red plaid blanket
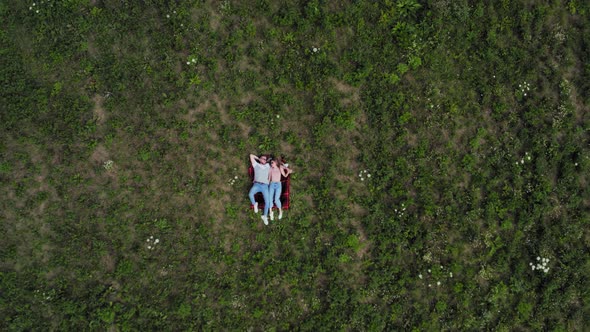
{"points": [[285, 184]]}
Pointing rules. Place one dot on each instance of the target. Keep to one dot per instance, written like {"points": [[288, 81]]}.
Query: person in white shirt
{"points": [[261, 181]]}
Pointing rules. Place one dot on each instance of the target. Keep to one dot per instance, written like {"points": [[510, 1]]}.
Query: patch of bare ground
{"points": [[581, 111], [363, 240], [459, 138], [92, 50], [357, 210], [411, 139], [348, 166], [98, 158], [222, 108], [99, 155], [39, 183], [354, 271], [217, 192], [98, 111], [214, 20], [352, 93], [464, 183], [108, 263], [193, 114], [28, 229], [246, 98], [246, 63]]}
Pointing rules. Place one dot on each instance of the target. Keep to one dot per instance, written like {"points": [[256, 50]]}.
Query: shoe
{"points": [[265, 219], [255, 208], [272, 215], [280, 214]]}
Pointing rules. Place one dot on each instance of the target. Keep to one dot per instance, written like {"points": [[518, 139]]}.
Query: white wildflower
{"points": [[420, 276], [108, 165]]}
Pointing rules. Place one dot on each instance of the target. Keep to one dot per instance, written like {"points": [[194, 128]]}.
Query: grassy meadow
{"points": [[441, 152]]}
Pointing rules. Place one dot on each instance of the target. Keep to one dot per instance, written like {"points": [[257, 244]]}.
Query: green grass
{"points": [[124, 123]]}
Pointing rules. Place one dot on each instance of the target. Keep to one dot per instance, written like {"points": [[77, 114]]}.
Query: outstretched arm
{"points": [[253, 159]]}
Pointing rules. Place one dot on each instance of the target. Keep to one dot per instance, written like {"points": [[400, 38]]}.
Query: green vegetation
{"points": [[440, 147]]}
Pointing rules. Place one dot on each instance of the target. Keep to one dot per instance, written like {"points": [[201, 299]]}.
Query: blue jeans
{"points": [[260, 188], [275, 193]]}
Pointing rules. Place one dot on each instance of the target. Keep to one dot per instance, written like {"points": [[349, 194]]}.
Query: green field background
{"points": [[441, 157]]}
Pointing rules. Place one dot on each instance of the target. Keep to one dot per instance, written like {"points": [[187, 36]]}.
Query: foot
{"points": [[280, 214], [255, 208], [272, 215], [265, 219]]}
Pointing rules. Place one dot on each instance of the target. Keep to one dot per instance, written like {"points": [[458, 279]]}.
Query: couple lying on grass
{"points": [[267, 180]]}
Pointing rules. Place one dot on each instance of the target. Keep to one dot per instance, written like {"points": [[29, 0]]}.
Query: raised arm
{"points": [[285, 171], [253, 159]]}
